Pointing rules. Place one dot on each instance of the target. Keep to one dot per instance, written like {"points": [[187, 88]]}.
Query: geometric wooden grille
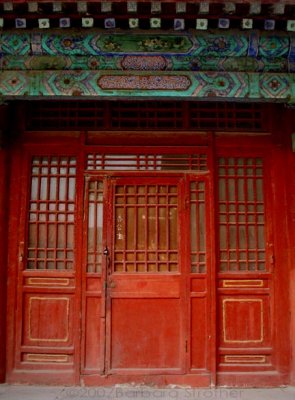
{"points": [[146, 228], [197, 227], [95, 226], [51, 213], [145, 115], [226, 116], [146, 162], [241, 215]]}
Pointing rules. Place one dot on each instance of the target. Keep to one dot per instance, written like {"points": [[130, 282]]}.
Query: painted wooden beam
{"points": [[108, 84]]}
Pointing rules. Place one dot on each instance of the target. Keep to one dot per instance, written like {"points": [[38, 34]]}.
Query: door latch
{"points": [[106, 251]]}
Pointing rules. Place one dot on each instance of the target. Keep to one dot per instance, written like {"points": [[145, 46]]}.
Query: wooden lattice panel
{"points": [[146, 162], [95, 226], [51, 213], [197, 227], [226, 116], [145, 115], [146, 228], [241, 214]]}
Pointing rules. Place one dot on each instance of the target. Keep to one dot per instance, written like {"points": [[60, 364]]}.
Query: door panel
{"points": [[144, 335], [146, 301], [245, 287], [199, 333], [47, 297]]}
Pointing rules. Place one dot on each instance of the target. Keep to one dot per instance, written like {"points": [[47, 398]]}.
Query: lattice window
{"points": [[95, 226], [51, 213], [225, 116], [146, 228], [197, 227], [145, 115], [51, 115], [147, 162], [241, 215]]}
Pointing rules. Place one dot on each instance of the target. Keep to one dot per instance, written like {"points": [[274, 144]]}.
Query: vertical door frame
{"points": [[4, 204]]}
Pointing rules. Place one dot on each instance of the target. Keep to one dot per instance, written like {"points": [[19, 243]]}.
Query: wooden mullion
{"points": [[236, 212], [95, 204], [228, 245], [146, 235], [255, 211], [247, 213], [47, 214]]}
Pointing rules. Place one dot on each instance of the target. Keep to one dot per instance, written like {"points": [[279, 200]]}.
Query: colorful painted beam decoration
{"points": [[234, 50], [143, 84]]}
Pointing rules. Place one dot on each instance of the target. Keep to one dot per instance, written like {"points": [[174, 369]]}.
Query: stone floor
{"points": [[118, 392]]}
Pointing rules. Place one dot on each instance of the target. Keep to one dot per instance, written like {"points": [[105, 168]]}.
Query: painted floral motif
{"points": [[230, 85], [274, 86], [111, 45], [136, 43], [14, 44], [65, 44], [159, 44], [221, 45], [274, 46]]}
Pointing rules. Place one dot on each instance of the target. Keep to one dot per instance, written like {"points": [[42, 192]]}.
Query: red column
{"points": [[282, 121], [3, 239]]}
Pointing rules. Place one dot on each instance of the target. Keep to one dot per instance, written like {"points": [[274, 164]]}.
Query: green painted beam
{"points": [[213, 43], [160, 84], [144, 63]]}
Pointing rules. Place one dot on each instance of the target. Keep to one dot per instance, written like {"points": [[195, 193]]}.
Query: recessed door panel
{"points": [[146, 334]]}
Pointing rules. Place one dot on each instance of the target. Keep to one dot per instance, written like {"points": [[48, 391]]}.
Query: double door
{"points": [[146, 276]]}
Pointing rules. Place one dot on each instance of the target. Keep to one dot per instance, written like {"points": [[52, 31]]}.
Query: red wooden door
{"points": [[145, 293], [247, 281]]}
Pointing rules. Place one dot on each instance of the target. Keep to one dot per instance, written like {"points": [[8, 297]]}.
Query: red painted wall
{"points": [[292, 283], [291, 220], [3, 241], [3, 247]]}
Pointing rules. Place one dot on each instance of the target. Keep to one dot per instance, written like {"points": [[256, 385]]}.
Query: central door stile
{"points": [[108, 259], [186, 262], [183, 245], [106, 270]]}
